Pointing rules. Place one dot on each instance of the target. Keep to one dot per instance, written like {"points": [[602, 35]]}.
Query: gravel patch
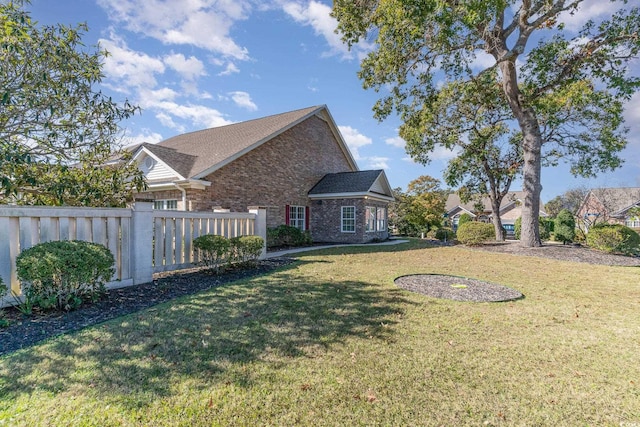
{"points": [[25, 331], [457, 288]]}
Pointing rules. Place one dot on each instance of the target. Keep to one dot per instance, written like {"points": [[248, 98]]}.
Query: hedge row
{"points": [[218, 251]]}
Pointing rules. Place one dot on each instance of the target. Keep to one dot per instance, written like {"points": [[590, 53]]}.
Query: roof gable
{"points": [[198, 154], [372, 183], [616, 200]]}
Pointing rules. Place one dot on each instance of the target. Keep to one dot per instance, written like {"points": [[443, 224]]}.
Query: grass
{"points": [[331, 341]]}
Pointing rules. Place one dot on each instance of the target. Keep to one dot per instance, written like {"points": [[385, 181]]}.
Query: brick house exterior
{"points": [[610, 205], [270, 162]]}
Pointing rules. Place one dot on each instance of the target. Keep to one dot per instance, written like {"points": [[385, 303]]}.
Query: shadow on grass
{"points": [[204, 338]]}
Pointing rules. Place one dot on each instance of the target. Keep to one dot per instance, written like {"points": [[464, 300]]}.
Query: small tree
{"points": [[464, 218], [565, 226]]}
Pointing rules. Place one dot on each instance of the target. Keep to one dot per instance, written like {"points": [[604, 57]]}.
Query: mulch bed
{"points": [[24, 331], [457, 288]]}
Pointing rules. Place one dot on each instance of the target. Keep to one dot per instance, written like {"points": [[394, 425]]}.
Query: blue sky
{"points": [[194, 64]]}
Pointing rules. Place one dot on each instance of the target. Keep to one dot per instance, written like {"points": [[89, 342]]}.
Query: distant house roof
{"points": [[453, 202], [372, 183], [195, 155], [617, 200]]}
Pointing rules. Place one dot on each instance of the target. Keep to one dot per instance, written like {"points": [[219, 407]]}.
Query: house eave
{"points": [[361, 195]]}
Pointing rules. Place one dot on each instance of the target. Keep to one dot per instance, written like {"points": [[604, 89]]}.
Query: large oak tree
{"points": [[565, 93]]}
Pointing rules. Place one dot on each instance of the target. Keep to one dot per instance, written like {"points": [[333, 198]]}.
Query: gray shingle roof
{"points": [[203, 151], [453, 200], [346, 182]]}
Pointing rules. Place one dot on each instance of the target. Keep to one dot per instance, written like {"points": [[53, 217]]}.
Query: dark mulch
{"points": [[457, 288], [25, 331]]}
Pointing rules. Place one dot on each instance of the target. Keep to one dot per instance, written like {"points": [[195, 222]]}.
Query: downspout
{"points": [[184, 196]]}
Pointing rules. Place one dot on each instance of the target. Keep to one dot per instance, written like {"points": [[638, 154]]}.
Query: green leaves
{"points": [[56, 132]]}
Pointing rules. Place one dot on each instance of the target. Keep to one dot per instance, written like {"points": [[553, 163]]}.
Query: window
{"points": [[297, 217], [376, 219], [632, 223], [348, 219], [166, 205], [382, 219], [370, 216]]}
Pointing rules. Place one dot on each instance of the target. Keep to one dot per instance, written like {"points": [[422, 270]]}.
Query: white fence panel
{"points": [[142, 241]]}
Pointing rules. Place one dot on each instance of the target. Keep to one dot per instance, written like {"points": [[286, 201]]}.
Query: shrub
{"points": [[3, 290], [445, 234], [246, 249], [464, 218], [286, 235], [615, 238], [61, 275], [475, 233], [565, 226], [545, 228], [431, 234], [214, 250]]}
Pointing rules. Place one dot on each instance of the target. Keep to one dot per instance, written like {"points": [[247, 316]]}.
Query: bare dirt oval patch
{"points": [[457, 288]]}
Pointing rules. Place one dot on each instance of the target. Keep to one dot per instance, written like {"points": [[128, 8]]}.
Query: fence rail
{"points": [[143, 241]]}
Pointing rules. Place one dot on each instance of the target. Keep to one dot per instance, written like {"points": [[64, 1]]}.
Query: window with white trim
{"points": [[381, 219], [370, 215], [348, 219], [376, 219], [297, 217], [165, 205]]}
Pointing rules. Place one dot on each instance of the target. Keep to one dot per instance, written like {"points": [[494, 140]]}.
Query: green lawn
{"points": [[331, 341]]}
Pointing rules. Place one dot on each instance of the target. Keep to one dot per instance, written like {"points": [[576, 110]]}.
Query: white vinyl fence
{"points": [[143, 241]]}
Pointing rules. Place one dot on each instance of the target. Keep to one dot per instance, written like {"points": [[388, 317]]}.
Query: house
{"points": [[612, 205], [295, 164], [510, 209]]}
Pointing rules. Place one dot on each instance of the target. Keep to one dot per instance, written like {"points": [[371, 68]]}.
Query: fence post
{"points": [[260, 226], [141, 242]]}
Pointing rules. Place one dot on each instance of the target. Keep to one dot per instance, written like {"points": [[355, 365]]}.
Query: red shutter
{"points": [[286, 214], [306, 218]]}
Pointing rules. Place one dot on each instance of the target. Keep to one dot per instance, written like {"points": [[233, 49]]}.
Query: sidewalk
{"points": [[314, 248]]}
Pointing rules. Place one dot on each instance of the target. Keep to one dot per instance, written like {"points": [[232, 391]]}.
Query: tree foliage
{"points": [[565, 226], [419, 209], [566, 99], [58, 136], [569, 200]]}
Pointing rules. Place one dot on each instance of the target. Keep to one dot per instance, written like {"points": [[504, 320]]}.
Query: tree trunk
{"points": [[531, 174], [495, 219]]}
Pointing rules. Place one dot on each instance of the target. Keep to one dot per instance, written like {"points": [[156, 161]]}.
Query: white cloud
{"points": [[147, 136], [588, 9], [354, 139], [231, 69], [318, 16], [396, 142], [376, 162], [189, 68], [443, 153], [128, 67], [243, 100], [201, 23], [199, 115]]}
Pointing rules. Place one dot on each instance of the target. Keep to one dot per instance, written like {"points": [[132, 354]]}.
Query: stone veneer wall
{"points": [[280, 172], [326, 221]]}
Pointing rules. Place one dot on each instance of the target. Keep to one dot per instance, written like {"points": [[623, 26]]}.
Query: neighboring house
{"points": [[272, 162], [510, 209], [612, 205]]}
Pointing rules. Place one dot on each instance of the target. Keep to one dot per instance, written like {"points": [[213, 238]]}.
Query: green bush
{"points": [[445, 234], [246, 249], [464, 218], [286, 235], [565, 226], [545, 228], [475, 233], [214, 250], [61, 275], [3, 290], [614, 238]]}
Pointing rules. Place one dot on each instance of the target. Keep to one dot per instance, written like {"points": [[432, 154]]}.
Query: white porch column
{"points": [[260, 226], [141, 242]]}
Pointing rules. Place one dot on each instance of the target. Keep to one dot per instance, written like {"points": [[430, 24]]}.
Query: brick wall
{"points": [[280, 172], [326, 221]]}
